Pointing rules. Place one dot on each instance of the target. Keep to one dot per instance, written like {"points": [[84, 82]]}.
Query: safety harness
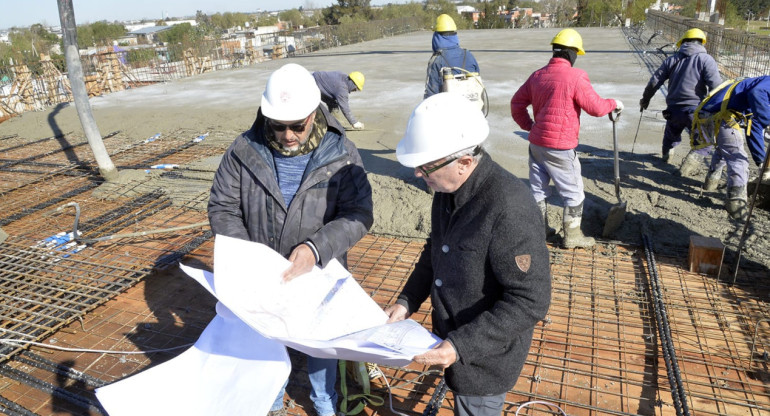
{"points": [[705, 125], [353, 404]]}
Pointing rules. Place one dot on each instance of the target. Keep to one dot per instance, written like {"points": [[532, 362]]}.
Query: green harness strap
{"points": [[362, 399]]}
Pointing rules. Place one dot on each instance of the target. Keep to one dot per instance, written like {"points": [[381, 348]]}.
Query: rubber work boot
{"points": [[712, 180], [573, 236], [549, 231], [690, 164], [736, 202]]}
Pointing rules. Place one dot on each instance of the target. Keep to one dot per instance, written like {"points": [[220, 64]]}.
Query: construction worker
{"points": [[733, 106], [295, 183], [691, 74], [447, 53], [485, 265], [335, 88], [557, 93]]}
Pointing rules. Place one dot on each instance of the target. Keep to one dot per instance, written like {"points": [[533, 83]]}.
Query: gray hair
{"points": [[475, 151]]}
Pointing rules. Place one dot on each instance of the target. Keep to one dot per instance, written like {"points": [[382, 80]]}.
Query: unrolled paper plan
{"points": [[239, 363]]}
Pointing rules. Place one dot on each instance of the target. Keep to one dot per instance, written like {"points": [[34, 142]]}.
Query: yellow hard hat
{"points": [[445, 23], [693, 33], [358, 79], [569, 38]]}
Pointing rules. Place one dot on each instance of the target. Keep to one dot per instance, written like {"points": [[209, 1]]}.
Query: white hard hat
{"points": [[443, 124], [290, 94]]}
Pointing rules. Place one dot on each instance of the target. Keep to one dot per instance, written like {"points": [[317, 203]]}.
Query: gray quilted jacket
{"points": [[332, 207]]}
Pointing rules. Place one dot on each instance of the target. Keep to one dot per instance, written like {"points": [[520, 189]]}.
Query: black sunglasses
{"points": [[279, 127]]}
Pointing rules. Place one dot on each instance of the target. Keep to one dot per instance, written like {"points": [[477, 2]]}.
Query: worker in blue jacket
{"points": [[335, 88], [691, 74], [446, 53], [747, 107]]}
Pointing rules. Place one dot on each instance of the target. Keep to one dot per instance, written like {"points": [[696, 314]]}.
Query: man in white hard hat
{"points": [[295, 183], [485, 265], [558, 93]]}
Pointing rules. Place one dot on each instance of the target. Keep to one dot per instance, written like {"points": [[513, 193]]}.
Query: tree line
{"points": [[26, 44]]}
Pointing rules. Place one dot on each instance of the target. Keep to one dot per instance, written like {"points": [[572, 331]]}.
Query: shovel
{"points": [[617, 212]]}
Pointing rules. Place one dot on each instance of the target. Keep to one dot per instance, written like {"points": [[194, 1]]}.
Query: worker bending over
{"points": [[733, 107], [335, 92]]}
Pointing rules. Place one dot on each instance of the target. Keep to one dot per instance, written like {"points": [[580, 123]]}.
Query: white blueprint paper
{"points": [[231, 370], [239, 363]]}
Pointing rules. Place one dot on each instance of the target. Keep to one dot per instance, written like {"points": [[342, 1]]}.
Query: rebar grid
{"points": [[56, 150], [42, 195], [597, 352], [41, 291], [177, 147], [712, 326]]}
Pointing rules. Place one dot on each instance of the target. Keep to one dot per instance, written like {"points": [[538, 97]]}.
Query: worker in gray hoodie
{"points": [[335, 88], [691, 74]]}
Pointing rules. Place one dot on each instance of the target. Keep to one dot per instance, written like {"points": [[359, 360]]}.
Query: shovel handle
{"points": [[615, 154]]}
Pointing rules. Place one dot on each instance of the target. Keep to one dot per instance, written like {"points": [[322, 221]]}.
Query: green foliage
{"points": [[266, 20], [636, 9], [346, 11], [99, 33], [27, 44], [183, 33], [597, 13], [296, 18], [216, 24], [227, 20], [140, 57], [733, 17], [105, 33]]}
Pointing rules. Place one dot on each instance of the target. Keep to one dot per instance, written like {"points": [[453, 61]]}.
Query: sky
{"points": [[24, 13]]}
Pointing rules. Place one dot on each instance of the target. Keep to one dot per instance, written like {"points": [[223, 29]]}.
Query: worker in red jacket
{"points": [[557, 93]]}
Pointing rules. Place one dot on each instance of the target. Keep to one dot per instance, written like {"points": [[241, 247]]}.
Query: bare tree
{"points": [[75, 74]]}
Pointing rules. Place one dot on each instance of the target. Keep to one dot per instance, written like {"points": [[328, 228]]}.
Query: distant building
{"points": [[469, 13], [148, 35]]}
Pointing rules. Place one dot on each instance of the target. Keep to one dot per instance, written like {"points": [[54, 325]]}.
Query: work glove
{"points": [[618, 109], [643, 104], [358, 126]]}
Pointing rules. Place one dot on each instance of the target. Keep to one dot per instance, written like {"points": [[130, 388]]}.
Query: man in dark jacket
{"points": [[691, 74], [335, 88], [485, 265], [295, 183], [446, 53]]}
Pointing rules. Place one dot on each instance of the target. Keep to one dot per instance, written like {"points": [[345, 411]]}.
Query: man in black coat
{"points": [[485, 265]]}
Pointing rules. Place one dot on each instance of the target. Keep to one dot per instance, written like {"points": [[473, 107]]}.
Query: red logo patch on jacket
{"points": [[524, 261]]}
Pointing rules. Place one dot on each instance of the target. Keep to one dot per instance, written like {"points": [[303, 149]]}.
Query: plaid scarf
{"points": [[314, 139]]}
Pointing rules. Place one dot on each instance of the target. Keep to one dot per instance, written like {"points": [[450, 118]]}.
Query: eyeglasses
{"points": [[427, 171], [280, 127]]}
